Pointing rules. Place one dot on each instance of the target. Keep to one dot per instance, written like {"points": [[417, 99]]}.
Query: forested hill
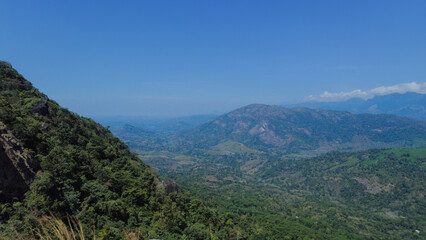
{"points": [[274, 128], [83, 171]]}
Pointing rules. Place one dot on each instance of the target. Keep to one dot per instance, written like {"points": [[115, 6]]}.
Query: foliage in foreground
{"points": [[52, 228]]}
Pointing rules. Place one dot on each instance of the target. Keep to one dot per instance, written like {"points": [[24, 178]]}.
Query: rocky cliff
{"points": [[17, 167]]}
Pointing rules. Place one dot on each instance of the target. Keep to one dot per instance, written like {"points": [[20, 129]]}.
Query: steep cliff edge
{"points": [[17, 167]]}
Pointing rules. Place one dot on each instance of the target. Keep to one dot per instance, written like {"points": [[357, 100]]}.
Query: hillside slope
{"points": [[84, 172]]}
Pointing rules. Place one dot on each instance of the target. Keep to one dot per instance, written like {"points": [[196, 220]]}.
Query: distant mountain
{"points": [[156, 124], [275, 128], [408, 105], [138, 138]]}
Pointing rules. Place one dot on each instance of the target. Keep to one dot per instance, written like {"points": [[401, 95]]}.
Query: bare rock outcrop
{"points": [[17, 167], [170, 186], [42, 108]]}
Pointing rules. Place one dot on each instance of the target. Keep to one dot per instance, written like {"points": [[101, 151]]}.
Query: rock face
{"points": [[170, 186], [17, 167], [41, 108]]}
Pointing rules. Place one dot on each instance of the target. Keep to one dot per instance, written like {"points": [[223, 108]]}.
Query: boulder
{"points": [[170, 186]]}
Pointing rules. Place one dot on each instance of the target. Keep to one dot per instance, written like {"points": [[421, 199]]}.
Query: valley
{"points": [[321, 192]]}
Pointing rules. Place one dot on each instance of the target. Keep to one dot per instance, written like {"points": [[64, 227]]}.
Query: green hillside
{"points": [[85, 172]]}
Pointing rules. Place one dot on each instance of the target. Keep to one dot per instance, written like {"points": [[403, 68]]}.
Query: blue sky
{"points": [[173, 58]]}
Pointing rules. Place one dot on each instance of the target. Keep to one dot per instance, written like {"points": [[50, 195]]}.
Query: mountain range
{"points": [[297, 130], [409, 104]]}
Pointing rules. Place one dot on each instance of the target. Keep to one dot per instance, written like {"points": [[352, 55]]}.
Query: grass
{"points": [[53, 228]]}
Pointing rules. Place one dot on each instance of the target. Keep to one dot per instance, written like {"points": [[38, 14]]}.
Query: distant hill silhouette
{"points": [[408, 105]]}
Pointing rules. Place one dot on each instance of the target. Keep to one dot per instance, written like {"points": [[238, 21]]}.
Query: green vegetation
{"points": [[377, 194]]}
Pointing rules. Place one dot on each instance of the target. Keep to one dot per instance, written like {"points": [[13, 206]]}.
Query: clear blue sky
{"points": [[169, 58]]}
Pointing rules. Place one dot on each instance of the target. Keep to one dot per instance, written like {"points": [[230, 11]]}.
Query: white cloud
{"points": [[358, 93]]}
